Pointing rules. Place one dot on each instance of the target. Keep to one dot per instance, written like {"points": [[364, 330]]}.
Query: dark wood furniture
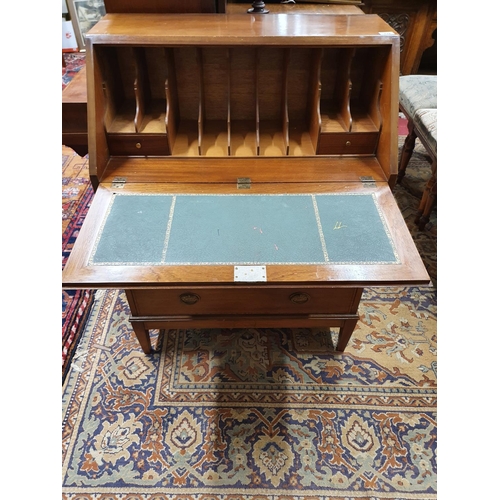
{"points": [[74, 113], [165, 6], [297, 8], [415, 21], [241, 105]]}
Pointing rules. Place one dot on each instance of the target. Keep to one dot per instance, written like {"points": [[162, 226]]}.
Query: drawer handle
{"points": [[348, 143], [138, 145], [299, 298], [189, 298]]}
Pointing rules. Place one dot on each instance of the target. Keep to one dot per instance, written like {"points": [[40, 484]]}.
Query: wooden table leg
{"points": [[427, 204], [142, 335], [345, 333], [406, 151]]}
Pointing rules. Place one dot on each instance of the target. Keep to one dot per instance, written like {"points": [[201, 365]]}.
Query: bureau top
{"points": [[244, 29]]}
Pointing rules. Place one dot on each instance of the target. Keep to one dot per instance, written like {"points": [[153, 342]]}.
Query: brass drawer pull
{"points": [[348, 143], [189, 298], [138, 145], [299, 298]]}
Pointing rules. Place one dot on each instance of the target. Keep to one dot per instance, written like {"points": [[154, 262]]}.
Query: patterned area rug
{"points": [[77, 194], [74, 63], [255, 413]]}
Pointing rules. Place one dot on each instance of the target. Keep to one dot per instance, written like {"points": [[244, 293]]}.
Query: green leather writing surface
{"points": [[353, 229], [134, 231], [243, 229]]}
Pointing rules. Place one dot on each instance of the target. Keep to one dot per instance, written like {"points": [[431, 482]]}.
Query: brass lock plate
{"points": [[250, 273]]}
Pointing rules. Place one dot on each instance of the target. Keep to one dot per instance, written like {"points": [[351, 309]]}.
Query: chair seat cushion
{"points": [[417, 92], [426, 125]]}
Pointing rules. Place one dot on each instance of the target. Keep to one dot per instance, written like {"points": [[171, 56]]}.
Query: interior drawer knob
{"points": [[348, 143], [138, 145], [299, 298], [189, 298]]}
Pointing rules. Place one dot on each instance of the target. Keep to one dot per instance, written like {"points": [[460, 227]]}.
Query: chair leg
{"points": [[407, 151], [428, 199]]}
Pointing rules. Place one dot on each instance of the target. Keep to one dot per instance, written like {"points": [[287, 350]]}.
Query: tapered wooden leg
{"points": [[422, 204], [427, 205], [428, 199], [407, 151], [142, 335], [345, 333]]}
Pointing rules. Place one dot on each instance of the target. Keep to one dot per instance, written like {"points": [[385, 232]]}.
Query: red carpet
{"points": [[77, 194]]}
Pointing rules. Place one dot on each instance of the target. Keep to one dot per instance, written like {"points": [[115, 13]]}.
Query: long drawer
{"points": [[248, 300]]}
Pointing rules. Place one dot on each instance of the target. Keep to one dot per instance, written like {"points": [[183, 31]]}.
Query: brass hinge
{"points": [[243, 183], [367, 180], [118, 182]]}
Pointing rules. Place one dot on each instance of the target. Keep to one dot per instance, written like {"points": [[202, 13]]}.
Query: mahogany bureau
{"points": [[243, 167]]}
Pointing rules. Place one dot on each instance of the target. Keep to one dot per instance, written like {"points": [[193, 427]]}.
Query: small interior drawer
{"points": [[348, 143], [138, 144]]}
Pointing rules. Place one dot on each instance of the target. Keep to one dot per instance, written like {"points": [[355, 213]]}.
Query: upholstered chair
{"points": [[425, 128], [418, 102]]}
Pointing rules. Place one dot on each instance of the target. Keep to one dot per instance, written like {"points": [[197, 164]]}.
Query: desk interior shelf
{"points": [[242, 101]]}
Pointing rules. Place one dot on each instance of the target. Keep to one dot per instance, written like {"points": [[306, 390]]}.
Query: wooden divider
{"points": [[257, 108], [284, 103], [228, 100], [141, 88], [366, 74], [201, 99], [315, 98], [243, 110], [300, 92], [172, 100], [336, 91]]}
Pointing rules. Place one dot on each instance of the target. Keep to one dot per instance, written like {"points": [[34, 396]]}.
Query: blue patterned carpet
{"points": [[255, 413]]}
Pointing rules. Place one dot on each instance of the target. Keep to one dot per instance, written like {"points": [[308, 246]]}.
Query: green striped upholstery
{"points": [[426, 122], [417, 92]]}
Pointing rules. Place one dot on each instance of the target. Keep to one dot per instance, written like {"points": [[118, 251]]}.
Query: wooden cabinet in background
{"points": [[74, 113], [415, 21], [165, 6]]}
